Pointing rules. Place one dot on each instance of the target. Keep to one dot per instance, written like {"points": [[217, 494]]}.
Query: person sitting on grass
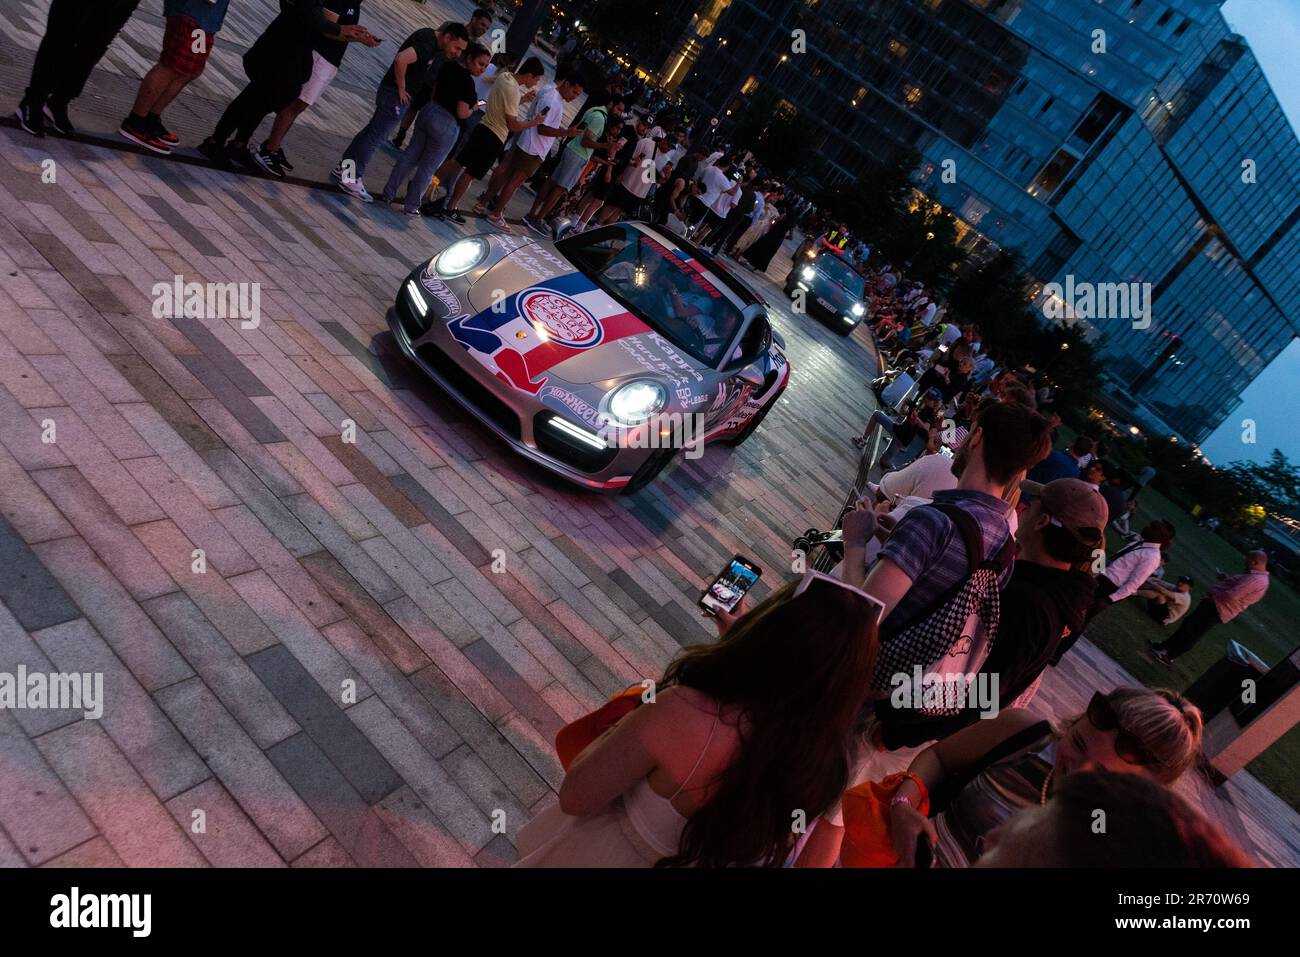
{"points": [[1166, 603]]}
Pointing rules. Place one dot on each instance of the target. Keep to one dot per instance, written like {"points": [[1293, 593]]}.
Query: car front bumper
{"points": [[517, 418]]}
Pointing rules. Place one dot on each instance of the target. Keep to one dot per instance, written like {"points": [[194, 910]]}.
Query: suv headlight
{"points": [[858, 309], [459, 258], [636, 401], [808, 272]]}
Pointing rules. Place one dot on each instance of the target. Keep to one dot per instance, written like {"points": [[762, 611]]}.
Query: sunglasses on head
{"points": [[1127, 745]]}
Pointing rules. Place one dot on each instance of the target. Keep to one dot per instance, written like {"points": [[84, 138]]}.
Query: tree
{"points": [[782, 141], [995, 297], [643, 29], [1275, 484], [881, 207]]}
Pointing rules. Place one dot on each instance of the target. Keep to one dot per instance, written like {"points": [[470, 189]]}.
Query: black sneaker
{"points": [[455, 216], [57, 116], [283, 160], [138, 131], [240, 157], [267, 161], [160, 131], [215, 152], [33, 121]]}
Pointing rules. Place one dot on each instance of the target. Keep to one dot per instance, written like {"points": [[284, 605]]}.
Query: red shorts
{"points": [[179, 44]]}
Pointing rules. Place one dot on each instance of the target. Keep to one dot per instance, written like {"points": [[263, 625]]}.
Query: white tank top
{"points": [[653, 816]]}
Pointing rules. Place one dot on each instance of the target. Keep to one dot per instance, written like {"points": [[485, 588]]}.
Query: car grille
{"points": [[570, 451], [470, 389]]}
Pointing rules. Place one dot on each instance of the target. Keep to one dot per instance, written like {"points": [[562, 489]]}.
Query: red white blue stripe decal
{"points": [[541, 326]]}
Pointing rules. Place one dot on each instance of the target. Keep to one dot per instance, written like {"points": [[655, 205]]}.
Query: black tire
{"points": [[649, 470], [748, 430]]}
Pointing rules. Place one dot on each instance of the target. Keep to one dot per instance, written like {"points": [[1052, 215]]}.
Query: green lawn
{"points": [[1268, 628]]}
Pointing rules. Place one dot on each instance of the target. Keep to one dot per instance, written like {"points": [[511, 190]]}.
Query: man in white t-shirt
{"points": [[531, 147], [718, 188], [634, 183]]}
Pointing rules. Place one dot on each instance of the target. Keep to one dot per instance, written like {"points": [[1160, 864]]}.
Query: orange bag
{"points": [[576, 735], [866, 822]]}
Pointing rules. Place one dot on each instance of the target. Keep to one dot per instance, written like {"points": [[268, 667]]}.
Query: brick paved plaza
{"points": [[349, 681]]}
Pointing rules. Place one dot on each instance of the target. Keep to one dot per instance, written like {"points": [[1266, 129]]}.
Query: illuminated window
{"points": [[912, 94], [750, 86], [898, 49]]}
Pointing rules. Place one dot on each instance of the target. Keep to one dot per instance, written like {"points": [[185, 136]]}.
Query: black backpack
{"points": [[952, 636]]}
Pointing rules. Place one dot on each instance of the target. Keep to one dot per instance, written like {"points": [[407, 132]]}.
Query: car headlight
{"points": [[636, 401], [858, 309], [459, 258], [808, 272]]}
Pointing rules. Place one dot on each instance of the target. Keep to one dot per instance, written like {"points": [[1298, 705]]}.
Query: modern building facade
{"points": [[1114, 141]]}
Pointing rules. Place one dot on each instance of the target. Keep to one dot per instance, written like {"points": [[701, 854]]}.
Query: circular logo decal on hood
{"points": [[564, 320]]}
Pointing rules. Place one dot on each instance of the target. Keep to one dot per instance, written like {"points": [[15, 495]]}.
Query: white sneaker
{"points": [[357, 189]]}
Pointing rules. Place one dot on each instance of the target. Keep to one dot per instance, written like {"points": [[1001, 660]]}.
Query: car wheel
{"points": [[748, 430], [649, 470]]}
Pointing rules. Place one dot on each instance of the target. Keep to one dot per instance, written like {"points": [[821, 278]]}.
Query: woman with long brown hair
{"points": [[747, 740]]}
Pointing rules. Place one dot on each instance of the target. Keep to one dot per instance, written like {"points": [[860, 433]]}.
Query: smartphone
{"points": [[731, 585]]}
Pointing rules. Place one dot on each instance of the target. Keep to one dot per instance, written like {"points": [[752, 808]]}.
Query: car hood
{"points": [[548, 330], [831, 291]]}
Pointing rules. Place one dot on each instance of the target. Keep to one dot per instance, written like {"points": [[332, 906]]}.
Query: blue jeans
{"points": [[432, 137], [388, 113]]}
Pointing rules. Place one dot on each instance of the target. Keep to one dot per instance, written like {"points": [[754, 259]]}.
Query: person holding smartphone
{"points": [[711, 772]]}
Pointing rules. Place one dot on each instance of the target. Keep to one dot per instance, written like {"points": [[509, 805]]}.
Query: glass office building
{"points": [[1115, 141]]}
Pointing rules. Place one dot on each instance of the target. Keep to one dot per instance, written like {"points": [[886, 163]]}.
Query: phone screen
{"points": [[731, 585]]}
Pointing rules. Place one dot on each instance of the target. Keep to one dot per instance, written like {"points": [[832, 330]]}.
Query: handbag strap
{"points": [[952, 786]]}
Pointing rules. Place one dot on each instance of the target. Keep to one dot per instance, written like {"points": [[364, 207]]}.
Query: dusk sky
{"points": [[1272, 28]]}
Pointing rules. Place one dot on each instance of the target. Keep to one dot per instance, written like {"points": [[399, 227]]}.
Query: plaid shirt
{"points": [[928, 548]]}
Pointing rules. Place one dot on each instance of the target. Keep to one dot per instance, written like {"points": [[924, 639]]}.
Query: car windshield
{"points": [[662, 288], [836, 270]]}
